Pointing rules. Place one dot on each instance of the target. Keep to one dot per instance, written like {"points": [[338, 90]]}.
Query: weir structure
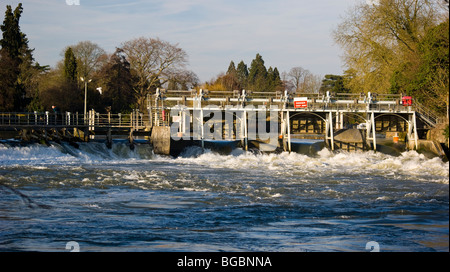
{"points": [[256, 119], [268, 121]]}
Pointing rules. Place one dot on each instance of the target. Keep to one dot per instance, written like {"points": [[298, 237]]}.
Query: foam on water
{"points": [[63, 154], [410, 164]]}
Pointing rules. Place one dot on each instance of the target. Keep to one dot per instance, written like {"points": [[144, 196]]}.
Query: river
{"points": [[132, 200]]}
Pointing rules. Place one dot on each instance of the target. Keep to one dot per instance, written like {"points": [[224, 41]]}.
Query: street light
{"points": [[85, 93]]}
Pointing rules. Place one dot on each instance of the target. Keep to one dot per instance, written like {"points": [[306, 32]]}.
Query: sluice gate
{"points": [[264, 121], [276, 121]]}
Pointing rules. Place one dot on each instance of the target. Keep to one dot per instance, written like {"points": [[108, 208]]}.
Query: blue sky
{"points": [[287, 33]]}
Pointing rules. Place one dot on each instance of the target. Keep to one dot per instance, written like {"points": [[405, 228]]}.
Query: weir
{"points": [[276, 121], [265, 121]]}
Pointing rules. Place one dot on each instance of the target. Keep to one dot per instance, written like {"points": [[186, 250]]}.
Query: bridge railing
{"points": [[426, 114], [134, 120]]}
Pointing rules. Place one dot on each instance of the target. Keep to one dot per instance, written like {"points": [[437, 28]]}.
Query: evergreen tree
{"points": [[70, 66], [274, 82], [333, 83], [117, 80], [242, 74], [13, 40], [17, 57], [8, 76], [257, 75], [231, 69]]}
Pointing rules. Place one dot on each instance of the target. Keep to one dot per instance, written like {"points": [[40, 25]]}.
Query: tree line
{"points": [[390, 46], [259, 78], [117, 82]]}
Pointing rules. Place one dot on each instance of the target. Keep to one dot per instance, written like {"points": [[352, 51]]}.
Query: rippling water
{"points": [[123, 200]]}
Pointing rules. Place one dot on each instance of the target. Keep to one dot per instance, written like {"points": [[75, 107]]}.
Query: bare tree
{"points": [[183, 80], [303, 81], [312, 83], [90, 58], [287, 83], [154, 62], [297, 76]]}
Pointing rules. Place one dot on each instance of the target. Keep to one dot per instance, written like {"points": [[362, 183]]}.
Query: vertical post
{"points": [[156, 107], [149, 108], [183, 121], [368, 129], [374, 136], [337, 120], [131, 120], [198, 104], [327, 129], [283, 130], [331, 130], [241, 127], [244, 119], [416, 137], [288, 124], [410, 129], [202, 128], [85, 98]]}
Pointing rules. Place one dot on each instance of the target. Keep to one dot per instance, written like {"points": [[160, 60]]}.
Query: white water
{"points": [[410, 164]]}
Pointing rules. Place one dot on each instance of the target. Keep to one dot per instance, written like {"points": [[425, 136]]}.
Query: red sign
{"points": [[300, 102], [407, 100]]}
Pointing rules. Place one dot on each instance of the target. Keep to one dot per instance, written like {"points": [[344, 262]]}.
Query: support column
{"points": [[244, 119], [288, 124], [374, 135], [337, 120], [412, 131], [283, 130], [329, 130], [183, 122], [202, 132], [199, 127], [370, 127]]}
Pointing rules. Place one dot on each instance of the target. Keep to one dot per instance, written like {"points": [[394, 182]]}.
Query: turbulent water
{"points": [[132, 200]]}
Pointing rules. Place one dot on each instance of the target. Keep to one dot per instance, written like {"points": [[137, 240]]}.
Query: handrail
{"points": [[427, 115], [46, 119], [137, 120]]}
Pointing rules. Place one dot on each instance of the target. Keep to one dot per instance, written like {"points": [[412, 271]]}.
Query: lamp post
{"points": [[86, 81]]}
